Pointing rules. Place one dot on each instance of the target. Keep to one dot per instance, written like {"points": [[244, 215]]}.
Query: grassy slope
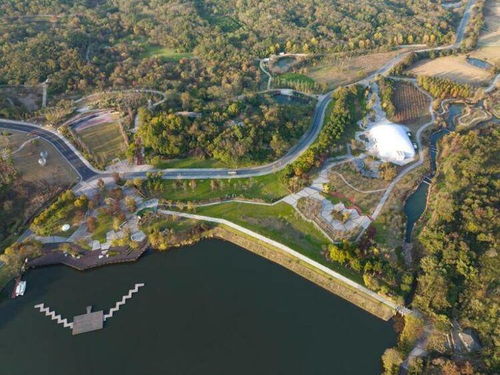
{"points": [[268, 188], [104, 225], [296, 77], [280, 223], [165, 53], [190, 163], [104, 140]]}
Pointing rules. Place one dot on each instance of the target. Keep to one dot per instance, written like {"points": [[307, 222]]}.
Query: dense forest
{"points": [[205, 49], [255, 129], [459, 271]]}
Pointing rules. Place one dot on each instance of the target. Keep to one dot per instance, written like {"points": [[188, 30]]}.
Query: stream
{"points": [[416, 202]]}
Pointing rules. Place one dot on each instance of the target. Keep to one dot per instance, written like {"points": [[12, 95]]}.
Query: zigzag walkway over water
{"points": [[90, 321]]}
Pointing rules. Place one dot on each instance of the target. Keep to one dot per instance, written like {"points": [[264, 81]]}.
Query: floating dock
{"points": [[90, 321]]}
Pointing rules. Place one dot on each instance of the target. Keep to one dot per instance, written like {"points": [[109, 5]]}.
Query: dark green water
{"points": [[416, 202], [212, 308]]}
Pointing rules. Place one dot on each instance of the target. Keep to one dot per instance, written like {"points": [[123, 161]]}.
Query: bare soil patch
{"points": [[455, 68], [489, 40], [412, 106], [341, 70]]}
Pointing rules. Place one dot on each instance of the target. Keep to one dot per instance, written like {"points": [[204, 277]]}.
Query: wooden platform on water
{"points": [[91, 321]]}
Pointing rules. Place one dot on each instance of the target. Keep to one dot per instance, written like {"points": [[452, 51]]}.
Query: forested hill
{"points": [[91, 43], [461, 265]]}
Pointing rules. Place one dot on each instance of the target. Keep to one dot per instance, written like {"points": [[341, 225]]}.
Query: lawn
{"points": [[165, 53], [267, 188], [296, 77], [281, 223], [104, 225], [190, 162], [105, 141]]}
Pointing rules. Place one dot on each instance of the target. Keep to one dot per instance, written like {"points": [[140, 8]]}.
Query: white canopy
{"points": [[390, 142]]}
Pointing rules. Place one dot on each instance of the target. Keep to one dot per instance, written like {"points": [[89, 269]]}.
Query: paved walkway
{"points": [[295, 254]]}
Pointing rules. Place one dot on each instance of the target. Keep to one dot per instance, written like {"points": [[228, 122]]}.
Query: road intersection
{"points": [[88, 173]]}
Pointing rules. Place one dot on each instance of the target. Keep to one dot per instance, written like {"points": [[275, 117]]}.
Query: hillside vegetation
{"points": [[460, 268], [87, 44]]}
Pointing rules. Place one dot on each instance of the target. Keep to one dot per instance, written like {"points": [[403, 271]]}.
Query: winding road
{"points": [[87, 172]]}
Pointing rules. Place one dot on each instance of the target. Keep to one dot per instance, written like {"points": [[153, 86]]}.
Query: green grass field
{"points": [[267, 188], [104, 225], [281, 223], [165, 53], [105, 141], [190, 163], [296, 77]]}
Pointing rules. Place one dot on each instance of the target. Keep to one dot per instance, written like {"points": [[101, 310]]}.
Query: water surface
{"points": [[212, 308], [479, 63], [416, 202]]}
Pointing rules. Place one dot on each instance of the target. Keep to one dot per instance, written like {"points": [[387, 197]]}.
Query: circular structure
{"points": [[65, 227]]}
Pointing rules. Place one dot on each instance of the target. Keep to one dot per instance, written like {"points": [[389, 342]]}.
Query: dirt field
{"points": [[346, 70], [412, 106], [56, 171], [34, 185], [489, 41], [455, 68], [104, 140]]}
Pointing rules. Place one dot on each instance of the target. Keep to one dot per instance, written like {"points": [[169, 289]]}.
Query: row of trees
{"points": [[340, 115], [65, 207], [475, 25], [386, 96], [443, 88]]}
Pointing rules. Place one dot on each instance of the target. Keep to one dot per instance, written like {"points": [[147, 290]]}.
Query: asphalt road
{"points": [[87, 173], [81, 168]]}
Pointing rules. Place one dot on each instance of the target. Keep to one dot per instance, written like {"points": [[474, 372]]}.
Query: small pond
{"points": [[415, 204], [479, 63]]}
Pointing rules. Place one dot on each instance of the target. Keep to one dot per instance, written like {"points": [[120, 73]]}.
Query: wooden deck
{"points": [[91, 321]]}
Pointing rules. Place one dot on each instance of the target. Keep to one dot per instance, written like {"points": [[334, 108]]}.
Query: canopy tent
{"points": [[390, 142]]}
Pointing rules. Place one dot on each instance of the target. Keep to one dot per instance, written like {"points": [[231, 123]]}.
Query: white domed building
{"points": [[390, 142]]}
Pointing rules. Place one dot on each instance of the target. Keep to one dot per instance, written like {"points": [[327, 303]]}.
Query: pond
{"points": [[290, 99], [212, 308], [416, 202], [479, 63], [284, 63]]}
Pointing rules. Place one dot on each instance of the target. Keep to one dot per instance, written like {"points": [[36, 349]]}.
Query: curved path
{"points": [[147, 91], [87, 172], [356, 189], [396, 307]]}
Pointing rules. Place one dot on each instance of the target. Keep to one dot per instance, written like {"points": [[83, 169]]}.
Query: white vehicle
{"points": [[232, 173], [20, 288], [415, 146]]}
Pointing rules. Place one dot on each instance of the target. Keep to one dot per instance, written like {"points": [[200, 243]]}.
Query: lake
{"points": [[211, 308]]}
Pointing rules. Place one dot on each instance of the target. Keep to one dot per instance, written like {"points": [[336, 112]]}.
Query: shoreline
{"points": [[305, 270], [247, 243]]}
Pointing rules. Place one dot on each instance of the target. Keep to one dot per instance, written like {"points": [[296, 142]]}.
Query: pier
{"points": [[90, 321]]}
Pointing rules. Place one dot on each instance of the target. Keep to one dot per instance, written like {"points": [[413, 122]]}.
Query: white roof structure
{"points": [[390, 142]]}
